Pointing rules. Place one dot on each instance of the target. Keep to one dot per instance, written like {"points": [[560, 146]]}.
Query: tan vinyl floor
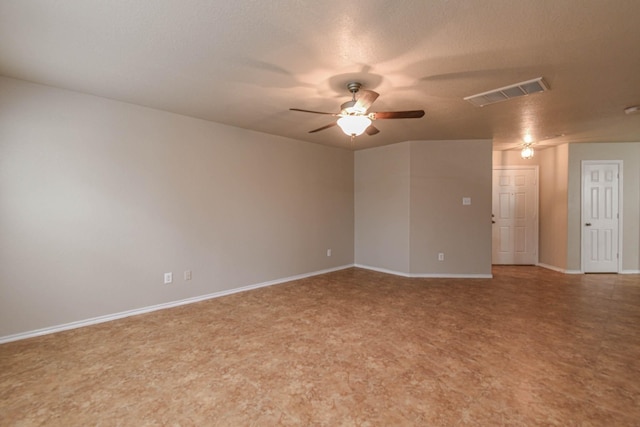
{"points": [[350, 348]]}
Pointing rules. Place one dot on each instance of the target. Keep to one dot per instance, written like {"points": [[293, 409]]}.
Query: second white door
{"points": [[600, 217]]}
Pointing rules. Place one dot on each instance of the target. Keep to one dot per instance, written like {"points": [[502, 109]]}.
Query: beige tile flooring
{"points": [[353, 348]]}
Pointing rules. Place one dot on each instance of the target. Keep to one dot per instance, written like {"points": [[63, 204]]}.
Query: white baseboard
{"points": [[148, 309], [382, 270], [558, 269], [561, 270], [453, 276], [431, 276]]}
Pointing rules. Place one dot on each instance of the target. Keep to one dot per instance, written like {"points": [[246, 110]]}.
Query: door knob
{"points": [[588, 224]]}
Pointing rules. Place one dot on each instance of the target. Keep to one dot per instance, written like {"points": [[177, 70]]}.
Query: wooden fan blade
{"points": [[415, 114], [323, 127], [371, 130], [365, 100], [314, 112]]}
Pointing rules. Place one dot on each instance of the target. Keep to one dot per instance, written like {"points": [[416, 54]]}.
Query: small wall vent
{"points": [[508, 92]]}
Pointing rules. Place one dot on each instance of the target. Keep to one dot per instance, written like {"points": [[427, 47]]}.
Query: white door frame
{"points": [[620, 200], [536, 225]]}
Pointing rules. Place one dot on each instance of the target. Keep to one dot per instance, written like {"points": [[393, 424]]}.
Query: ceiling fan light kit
{"points": [[354, 118], [354, 125]]}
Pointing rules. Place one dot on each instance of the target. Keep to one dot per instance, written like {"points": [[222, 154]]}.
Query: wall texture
{"points": [[382, 207], [442, 173], [99, 198], [409, 208], [553, 206]]}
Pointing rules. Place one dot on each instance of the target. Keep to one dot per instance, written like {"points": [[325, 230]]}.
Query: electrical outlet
{"points": [[328, 252], [187, 275], [168, 278], [441, 256]]}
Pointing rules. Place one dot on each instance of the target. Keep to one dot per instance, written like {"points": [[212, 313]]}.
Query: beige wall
{"points": [[409, 207], [442, 173], [629, 153], [382, 207], [99, 198], [553, 206]]}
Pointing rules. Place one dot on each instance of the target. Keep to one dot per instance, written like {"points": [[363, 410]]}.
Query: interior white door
{"points": [[515, 216], [600, 184]]}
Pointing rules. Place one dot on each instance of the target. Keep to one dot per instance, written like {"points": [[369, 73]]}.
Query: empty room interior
{"points": [[361, 213]]}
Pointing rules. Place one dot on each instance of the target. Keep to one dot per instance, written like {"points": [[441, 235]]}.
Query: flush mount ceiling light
{"points": [[527, 149], [527, 152]]}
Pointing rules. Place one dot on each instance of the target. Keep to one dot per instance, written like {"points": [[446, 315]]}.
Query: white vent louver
{"points": [[508, 92]]}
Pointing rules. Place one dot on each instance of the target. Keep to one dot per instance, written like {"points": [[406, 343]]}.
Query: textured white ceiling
{"points": [[246, 62]]}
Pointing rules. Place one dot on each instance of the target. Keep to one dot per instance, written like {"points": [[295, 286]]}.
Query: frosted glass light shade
{"points": [[354, 125]]}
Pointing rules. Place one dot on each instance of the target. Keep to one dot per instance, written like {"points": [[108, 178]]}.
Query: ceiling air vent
{"points": [[508, 92]]}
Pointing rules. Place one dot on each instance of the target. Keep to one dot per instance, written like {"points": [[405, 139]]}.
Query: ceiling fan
{"points": [[354, 119]]}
